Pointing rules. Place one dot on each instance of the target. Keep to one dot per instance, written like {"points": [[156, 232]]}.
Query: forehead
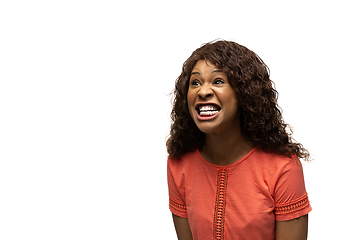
{"points": [[206, 69], [203, 65]]}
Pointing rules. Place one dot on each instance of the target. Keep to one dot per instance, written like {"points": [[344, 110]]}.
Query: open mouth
{"points": [[207, 110]]}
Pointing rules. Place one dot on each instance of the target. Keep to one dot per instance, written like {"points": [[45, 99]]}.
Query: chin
{"points": [[208, 128]]}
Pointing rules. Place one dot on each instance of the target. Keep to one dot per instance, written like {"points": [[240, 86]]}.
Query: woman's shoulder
{"points": [[269, 159], [185, 160]]}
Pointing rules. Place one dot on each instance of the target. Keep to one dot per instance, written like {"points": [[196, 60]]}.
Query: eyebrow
{"points": [[197, 73]]}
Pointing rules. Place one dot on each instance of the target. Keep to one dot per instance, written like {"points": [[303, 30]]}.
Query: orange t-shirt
{"points": [[237, 201]]}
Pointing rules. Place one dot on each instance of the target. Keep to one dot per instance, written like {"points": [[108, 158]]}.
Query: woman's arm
{"points": [[295, 229], [182, 228]]}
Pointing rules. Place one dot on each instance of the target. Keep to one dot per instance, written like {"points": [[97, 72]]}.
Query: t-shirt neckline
{"points": [[230, 165]]}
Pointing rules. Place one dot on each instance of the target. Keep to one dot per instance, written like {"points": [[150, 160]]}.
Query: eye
{"points": [[219, 81], [194, 83]]}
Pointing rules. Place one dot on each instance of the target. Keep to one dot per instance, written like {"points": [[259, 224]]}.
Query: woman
{"points": [[233, 168]]}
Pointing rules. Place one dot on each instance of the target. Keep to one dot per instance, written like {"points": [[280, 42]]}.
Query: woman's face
{"points": [[212, 101]]}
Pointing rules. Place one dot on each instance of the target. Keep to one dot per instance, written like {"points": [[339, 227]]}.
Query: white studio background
{"points": [[84, 108]]}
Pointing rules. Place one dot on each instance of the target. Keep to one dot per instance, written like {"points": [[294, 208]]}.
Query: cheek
{"points": [[234, 96], [233, 101], [190, 97], [190, 100]]}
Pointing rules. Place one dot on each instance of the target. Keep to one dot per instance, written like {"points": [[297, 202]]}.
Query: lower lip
{"points": [[206, 117]]}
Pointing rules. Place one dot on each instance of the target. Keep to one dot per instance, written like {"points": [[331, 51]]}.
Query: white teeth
{"points": [[208, 113], [207, 108]]}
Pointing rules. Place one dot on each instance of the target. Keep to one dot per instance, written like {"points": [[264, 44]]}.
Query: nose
{"points": [[205, 92]]}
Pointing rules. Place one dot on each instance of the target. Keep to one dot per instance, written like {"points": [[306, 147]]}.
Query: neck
{"points": [[225, 148]]}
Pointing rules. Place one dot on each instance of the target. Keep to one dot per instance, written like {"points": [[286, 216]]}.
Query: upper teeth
{"points": [[207, 108]]}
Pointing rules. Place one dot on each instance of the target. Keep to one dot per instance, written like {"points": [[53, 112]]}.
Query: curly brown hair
{"points": [[260, 116]]}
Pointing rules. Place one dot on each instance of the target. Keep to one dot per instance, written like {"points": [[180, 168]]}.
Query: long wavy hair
{"points": [[260, 116]]}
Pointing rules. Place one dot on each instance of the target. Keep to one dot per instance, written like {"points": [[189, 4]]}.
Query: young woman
{"points": [[233, 168]]}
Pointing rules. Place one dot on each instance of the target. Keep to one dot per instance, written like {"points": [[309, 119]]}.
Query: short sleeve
{"points": [[291, 198], [177, 204]]}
